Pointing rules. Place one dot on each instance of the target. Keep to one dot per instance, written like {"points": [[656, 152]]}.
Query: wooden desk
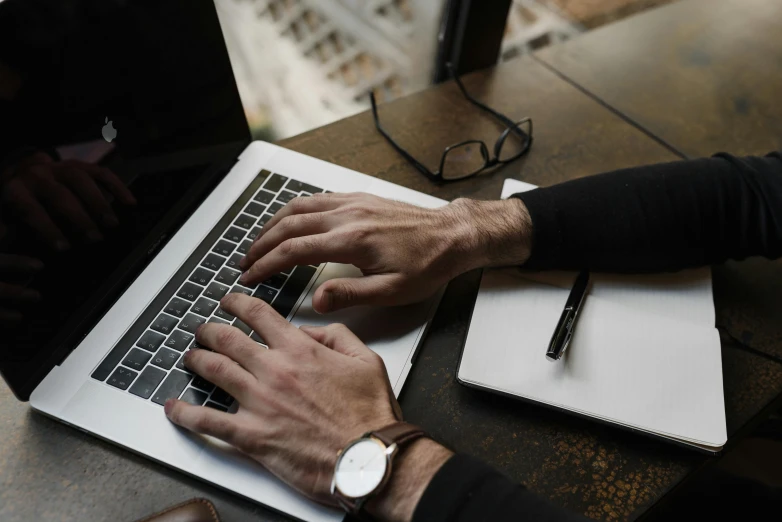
{"points": [[52, 472], [704, 76]]}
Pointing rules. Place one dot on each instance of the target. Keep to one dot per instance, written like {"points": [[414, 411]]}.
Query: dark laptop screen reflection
{"points": [[108, 140]]}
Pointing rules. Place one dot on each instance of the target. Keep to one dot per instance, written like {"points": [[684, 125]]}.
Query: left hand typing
{"points": [[300, 402]]}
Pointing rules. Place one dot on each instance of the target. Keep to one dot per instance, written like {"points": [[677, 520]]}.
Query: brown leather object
{"points": [[399, 432], [194, 510]]}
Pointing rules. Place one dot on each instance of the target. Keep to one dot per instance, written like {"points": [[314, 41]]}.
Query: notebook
{"points": [[645, 354]]}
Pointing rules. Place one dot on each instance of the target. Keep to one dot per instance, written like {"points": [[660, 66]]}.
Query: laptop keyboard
{"points": [[147, 362]]}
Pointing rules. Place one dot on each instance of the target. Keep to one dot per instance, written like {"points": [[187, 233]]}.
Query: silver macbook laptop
{"points": [[131, 189]]}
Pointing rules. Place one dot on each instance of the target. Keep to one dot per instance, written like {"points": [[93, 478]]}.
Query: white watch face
{"points": [[361, 468]]}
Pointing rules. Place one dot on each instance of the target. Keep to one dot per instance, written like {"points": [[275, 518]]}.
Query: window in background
{"points": [[300, 64]]}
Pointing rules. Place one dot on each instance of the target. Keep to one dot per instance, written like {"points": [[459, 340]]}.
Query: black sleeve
{"points": [[660, 217], [465, 489]]}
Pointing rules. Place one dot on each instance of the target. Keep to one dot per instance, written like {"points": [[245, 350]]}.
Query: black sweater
{"points": [[657, 218]]}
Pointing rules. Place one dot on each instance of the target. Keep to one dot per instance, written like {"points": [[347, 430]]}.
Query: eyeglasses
{"points": [[470, 157]]}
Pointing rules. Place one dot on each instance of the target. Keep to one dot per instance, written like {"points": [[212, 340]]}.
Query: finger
{"points": [[63, 202], [22, 203], [116, 187], [307, 250], [305, 205], [84, 186], [221, 371], [338, 337], [290, 227], [18, 294], [19, 264], [337, 294], [233, 343], [203, 420], [261, 317]]}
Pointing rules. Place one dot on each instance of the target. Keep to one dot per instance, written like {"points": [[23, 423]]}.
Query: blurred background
{"points": [[301, 64]]}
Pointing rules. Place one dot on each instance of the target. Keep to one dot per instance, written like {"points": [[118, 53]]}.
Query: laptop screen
{"points": [[116, 118]]}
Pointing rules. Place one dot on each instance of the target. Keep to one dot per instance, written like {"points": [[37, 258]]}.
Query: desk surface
{"points": [[703, 75], [51, 472]]}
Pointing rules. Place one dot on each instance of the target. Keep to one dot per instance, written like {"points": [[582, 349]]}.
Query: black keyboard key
{"points": [[264, 196], [295, 185], [275, 183], [293, 289], [255, 209], [149, 380], [233, 261], [275, 281], [234, 234], [216, 291], [244, 221], [202, 276], [172, 387], [222, 314], [204, 307], [165, 358], [221, 397], [121, 378], [194, 397], [265, 293], [110, 362], [257, 338], [164, 324], [177, 307], [244, 247], [264, 219], [189, 291], [179, 340], [253, 233], [202, 384], [217, 321], [191, 322], [224, 248], [227, 276], [242, 326], [274, 207], [137, 359], [215, 406], [150, 341], [286, 195], [241, 290], [213, 262]]}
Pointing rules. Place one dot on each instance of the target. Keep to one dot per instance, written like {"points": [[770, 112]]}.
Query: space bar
{"points": [[293, 289]]}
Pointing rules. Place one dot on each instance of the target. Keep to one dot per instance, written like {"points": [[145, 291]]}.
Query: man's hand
{"points": [[56, 198], [405, 252], [300, 402]]}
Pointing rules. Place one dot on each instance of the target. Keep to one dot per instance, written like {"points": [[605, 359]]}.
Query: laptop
{"points": [[130, 189]]}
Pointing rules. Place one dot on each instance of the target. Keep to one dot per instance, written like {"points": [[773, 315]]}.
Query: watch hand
{"points": [[370, 460]]}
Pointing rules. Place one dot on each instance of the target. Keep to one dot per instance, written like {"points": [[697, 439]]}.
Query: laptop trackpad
{"points": [[392, 332]]}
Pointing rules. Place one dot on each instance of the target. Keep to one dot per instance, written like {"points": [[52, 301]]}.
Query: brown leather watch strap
{"points": [[399, 433]]}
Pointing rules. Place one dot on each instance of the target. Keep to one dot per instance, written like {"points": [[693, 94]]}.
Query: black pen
{"points": [[567, 321]]}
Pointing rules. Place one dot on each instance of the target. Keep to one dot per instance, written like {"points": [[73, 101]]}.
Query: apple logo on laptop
{"points": [[108, 131]]}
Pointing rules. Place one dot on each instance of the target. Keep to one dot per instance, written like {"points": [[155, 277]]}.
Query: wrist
{"points": [[413, 469], [497, 233]]}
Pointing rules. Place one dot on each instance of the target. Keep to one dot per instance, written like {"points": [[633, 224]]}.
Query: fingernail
{"points": [[110, 220], [243, 263], [325, 301], [61, 245], [243, 279], [168, 406], [94, 236]]}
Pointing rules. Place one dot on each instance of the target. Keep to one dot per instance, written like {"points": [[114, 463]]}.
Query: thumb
{"points": [[337, 294]]}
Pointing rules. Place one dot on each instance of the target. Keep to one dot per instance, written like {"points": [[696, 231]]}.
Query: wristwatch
{"points": [[364, 465]]}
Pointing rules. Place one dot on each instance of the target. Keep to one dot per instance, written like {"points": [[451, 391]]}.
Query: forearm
{"points": [[654, 218], [413, 470]]}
